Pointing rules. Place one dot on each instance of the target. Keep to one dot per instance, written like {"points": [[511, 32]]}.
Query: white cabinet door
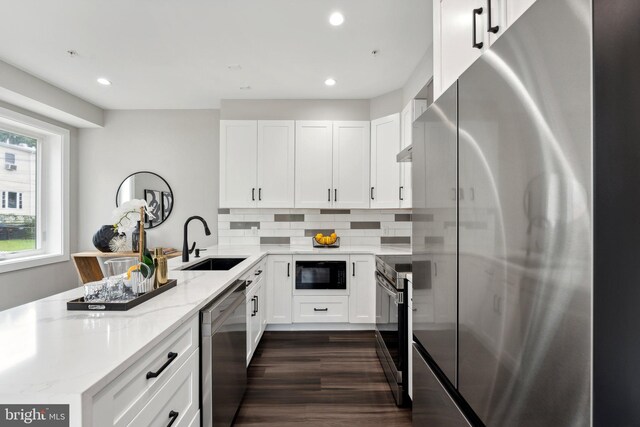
{"points": [[250, 308], [313, 179], [262, 308], [456, 37], [255, 315], [238, 153], [385, 171], [406, 122], [515, 8], [362, 294], [276, 170], [351, 142], [279, 288]]}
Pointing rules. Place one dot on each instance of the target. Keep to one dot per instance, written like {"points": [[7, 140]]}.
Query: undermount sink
{"points": [[212, 264]]}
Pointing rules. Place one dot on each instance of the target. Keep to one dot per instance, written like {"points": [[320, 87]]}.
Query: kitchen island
{"points": [[54, 356]]}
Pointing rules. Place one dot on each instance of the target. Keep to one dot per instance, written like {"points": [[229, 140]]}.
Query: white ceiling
{"points": [[174, 53]]}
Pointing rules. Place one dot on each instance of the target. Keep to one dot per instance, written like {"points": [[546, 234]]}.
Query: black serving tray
{"points": [[81, 304]]}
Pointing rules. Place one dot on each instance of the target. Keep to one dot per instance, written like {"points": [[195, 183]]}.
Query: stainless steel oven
{"points": [[328, 275], [392, 323]]}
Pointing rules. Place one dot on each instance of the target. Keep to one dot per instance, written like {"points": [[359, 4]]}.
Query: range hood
{"points": [[405, 155]]}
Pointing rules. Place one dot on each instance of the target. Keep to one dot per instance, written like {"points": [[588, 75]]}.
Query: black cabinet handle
{"points": [[172, 356], [259, 193], [476, 44], [259, 272], [257, 304], [371, 193], [253, 310], [253, 194], [400, 192], [288, 269], [320, 309], [492, 29], [328, 194], [173, 416], [335, 195], [353, 269]]}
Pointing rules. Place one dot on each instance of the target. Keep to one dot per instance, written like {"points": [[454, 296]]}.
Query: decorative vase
{"points": [[103, 236]]}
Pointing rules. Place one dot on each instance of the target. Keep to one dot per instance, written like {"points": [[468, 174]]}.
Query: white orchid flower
{"points": [[126, 216]]}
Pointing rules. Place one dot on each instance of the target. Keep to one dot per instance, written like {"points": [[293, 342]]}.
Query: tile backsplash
{"points": [[297, 226]]}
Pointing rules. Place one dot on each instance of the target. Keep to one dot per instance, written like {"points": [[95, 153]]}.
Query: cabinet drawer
{"points": [[311, 309], [120, 401], [178, 398]]}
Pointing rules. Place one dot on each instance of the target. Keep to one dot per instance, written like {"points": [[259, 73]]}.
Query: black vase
{"points": [[103, 236]]}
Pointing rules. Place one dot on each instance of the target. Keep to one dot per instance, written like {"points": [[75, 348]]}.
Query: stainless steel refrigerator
{"points": [[519, 241]]}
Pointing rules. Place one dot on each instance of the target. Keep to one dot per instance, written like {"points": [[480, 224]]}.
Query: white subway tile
{"points": [[231, 233], [274, 225], [365, 240], [301, 241], [223, 225], [314, 217]]}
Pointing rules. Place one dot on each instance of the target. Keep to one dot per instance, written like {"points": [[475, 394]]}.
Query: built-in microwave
{"points": [[330, 275]]}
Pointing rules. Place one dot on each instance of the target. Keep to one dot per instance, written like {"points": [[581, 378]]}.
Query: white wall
{"points": [[295, 109], [384, 105], [22, 286], [179, 145], [419, 77]]}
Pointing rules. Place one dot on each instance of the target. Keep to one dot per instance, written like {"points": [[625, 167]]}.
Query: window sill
{"points": [[32, 261]]}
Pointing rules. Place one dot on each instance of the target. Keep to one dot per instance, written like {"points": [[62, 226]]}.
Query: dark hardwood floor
{"points": [[329, 378]]}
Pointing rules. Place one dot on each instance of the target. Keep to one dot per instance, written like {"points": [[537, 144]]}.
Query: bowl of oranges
{"points": [[322, 241]]}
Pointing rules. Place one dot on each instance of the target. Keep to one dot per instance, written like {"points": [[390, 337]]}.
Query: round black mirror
{"points": [[152, 188]]}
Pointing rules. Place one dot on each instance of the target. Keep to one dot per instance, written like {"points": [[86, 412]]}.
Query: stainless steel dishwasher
{"points": [[223, 331]]}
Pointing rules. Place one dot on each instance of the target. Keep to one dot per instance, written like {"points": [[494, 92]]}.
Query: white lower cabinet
{"points": [[124, 400], [177, 401], [279, 288], [320, 309], [362, 298], [256, 310], [256, 316]]}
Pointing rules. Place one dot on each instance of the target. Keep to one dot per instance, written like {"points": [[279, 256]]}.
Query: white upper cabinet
{"points": [[238, 158], [256, 163], [515, 8], [276, 163], [351, 143], [314, 167], [385, 170], [332, 164], [464, 29], [459, 44]]}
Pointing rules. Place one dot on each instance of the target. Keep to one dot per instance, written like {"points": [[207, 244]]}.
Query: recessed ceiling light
{"points": [[330, 82], [336, 19], [104, 82], [234, 67], [245, 87]]}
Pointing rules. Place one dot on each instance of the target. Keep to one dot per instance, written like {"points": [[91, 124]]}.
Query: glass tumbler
{"points": [[116, 280]]}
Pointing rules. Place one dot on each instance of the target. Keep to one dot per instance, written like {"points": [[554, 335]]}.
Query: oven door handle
{"points": [[382, 282]]}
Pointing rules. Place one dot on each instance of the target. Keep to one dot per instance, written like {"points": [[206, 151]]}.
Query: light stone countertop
{"points": [[51, 355]]}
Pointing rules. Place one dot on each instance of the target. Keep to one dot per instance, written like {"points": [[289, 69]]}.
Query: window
{"points": [[10, 200], [33, 192]]}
